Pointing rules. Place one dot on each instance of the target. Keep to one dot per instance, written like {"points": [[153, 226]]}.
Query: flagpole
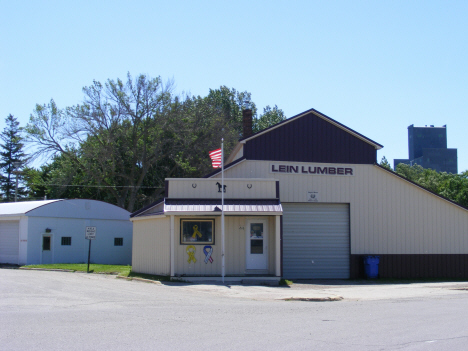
{"points": [[222, 208]]}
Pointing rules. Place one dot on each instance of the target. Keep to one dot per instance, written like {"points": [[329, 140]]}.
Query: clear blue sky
{"points": [[375, 66]]}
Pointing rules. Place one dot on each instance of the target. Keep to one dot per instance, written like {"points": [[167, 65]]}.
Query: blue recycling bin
{"points": [[371, 266]]}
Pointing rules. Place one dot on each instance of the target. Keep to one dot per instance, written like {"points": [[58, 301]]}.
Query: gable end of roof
{"points": [[376, 145]]}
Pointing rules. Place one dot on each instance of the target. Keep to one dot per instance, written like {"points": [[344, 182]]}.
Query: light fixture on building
{"points": [[48, 230]]}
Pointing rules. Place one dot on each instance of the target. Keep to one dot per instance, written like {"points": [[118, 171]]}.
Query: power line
{"points": [[102, 186]]}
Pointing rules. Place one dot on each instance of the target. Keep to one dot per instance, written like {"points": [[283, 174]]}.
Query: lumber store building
{"points": [[305, 199]]}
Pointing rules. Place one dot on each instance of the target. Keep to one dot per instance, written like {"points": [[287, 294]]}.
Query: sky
{"points": [[374, 66]]}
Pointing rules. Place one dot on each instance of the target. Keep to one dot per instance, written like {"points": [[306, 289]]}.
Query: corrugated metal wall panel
{"points": [[388, 215], [316, 241], [9, 242], [151, 246]]}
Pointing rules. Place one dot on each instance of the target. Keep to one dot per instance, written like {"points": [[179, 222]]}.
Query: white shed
{"points": [[53, 231]]}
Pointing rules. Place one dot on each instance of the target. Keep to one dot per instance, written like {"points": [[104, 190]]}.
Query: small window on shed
{"points": [[66, 240], [118, 241]]}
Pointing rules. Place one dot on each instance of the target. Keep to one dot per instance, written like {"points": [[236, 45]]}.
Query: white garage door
{"points": [[316, 241], [9, 241]]}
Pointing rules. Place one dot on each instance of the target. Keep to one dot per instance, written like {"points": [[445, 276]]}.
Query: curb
{"points": [[140, 280], [65, 270], [314, 299], [45, 269]]}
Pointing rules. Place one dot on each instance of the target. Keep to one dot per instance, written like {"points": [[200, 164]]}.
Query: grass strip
{"points": [[124, 271], [161, 278], [285, 282], [83, 267]]}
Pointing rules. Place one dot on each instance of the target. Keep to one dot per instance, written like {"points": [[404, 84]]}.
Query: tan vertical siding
{"points": [[235, 236], [151, 246], [183, 267], [271, 244], [388, 214], [208, 189], [235, 245]]}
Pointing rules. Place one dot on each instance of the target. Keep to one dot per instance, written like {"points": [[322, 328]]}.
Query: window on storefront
{"points": [[199, 231], [66, 240]]}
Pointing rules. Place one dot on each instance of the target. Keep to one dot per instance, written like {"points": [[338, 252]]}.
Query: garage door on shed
{"points": [[9, 241], [316, 241]]}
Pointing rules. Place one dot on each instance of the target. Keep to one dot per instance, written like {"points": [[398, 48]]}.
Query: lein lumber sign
{"points": [[313, 170]]}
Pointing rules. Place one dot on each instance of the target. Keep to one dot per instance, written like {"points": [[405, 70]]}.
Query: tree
{"points": [[216, 116], [270, 116], [451, 186], [121, 143], [12, 158], [207, 120], [412, 173], [60, 179], [113, 138], [384, 163]]}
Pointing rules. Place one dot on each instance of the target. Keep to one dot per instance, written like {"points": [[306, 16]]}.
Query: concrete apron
{"points": [[256, 280]]}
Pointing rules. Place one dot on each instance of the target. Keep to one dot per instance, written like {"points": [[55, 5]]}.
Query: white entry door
{"points": [[257, 244], [47, 253]]}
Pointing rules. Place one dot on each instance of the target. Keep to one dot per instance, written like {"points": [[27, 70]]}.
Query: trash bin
{"points": [[371, 266]]}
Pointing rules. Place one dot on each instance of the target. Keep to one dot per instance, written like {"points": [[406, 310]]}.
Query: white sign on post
{"points": [[90, 233]]}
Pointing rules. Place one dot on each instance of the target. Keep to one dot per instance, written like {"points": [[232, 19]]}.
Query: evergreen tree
{"points": [[385, 163], [12, 159]]}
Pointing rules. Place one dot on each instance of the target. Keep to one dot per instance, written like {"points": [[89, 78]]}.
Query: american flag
{"points": [[215, 156]]}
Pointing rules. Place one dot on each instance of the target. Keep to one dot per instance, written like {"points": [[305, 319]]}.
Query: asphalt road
{"points": [[75, 311]]}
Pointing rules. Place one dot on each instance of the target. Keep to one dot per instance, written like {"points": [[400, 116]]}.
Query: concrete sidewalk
{"points": [[331, 290], [315, 290]]}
